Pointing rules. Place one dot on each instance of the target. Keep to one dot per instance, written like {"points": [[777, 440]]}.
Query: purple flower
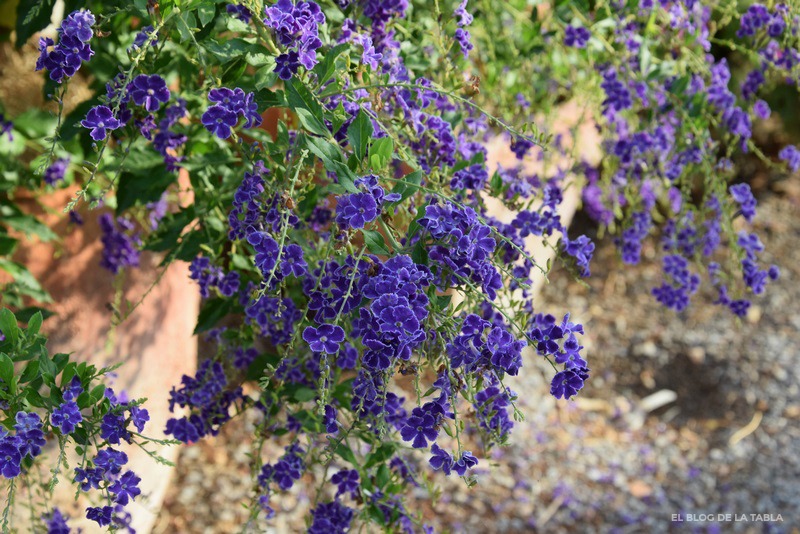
{"points": [[331, 518], [6, 127], [219, 120], [327, 338], [467, 461], [331, 426], [142, 37], [74, 390], [119, 247], [286, 65], [791, 155], [100, 119], [742, 194], [78, 24], [230, 99], [149, 91], [354, 211], [761, 109], [266, 251], [126, 487], [139, 416], [110, 460], [347, 481], [100, 515], [293, 262], [56, 522], [66, 417], [239, 12], [113, 428], [420, 428], [576, 36], [441, 459], [10, 458], [55, 172], [369, 56], [568, 382]]}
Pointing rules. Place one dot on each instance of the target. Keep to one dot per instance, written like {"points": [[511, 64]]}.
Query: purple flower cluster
{"points": [[286, 471], [569, 382], [723, 100], [424, 422], [209, 398], [475, 348], [240, 12], [55, 172], [491, 406], [681, 283], [358, 209], [576, 36], [464, 19], [346, 482], [391, 326], [66, 57], [791, 155], [142, 37], [6, 127], [297, 27], [248, 204], [114, 424], [28, 440], [758, 16], [207, 276], [443, 460], [558, 340], [119, 244], [229, 104], [67, 415], [107, 475], [743, 196], [331, 518], [275, 317], [56, 522], [464, 248], [754, 278]]}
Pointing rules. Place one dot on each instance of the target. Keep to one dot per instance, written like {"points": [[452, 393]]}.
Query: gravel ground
{"points": [[692, 413]]}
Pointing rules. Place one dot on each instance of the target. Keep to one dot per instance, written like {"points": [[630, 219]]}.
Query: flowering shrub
{"points": [[347, 260]]}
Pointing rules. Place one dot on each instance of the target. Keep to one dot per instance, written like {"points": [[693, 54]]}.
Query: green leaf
{"points": [[346, 454], [25, 280], [304, 394], [30, 225], [30, 372], [212, 311], [7, 245], [186, 25], [375, 242], [359, 134], [408, 186], [206, 12], [266, 76], [333, 160], [327, 67], [299, 97], [227, 51], [7, 371], [32, 16], [383, 453], [311, 123], [34, 324], [142, 188], [380, 152]]}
